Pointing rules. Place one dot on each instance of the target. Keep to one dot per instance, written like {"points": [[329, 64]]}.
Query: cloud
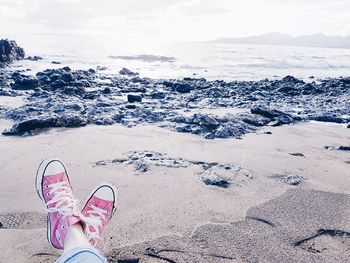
{"points": [[177, 19]]}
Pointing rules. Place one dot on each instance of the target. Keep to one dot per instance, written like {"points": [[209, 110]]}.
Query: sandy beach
{"points": [[287, 198]]}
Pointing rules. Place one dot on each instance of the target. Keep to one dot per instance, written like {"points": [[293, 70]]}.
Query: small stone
{"points": [[35, 58], [297, 154], [101, 163], [141, 167], [56, 62], [134, 98], [293, 179], [215, 180]]}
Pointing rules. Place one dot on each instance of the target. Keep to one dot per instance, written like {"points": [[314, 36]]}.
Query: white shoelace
{"points": [[94, 220], [63, 199]]}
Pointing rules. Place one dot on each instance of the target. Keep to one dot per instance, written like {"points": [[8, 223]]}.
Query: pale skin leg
{"points": [[75, 238]]}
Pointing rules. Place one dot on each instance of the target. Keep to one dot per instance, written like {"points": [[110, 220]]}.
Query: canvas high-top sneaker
{"points": [[98, 211], [53, 187]]}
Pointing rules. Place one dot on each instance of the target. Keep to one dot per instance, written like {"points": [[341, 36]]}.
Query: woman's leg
{"points": [[75, 238]]}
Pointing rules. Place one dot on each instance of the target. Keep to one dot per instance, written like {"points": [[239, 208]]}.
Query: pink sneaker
{"points": [[98, 211], [53, 187]]}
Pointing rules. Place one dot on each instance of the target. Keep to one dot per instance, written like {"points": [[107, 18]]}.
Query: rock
{"points": [[204, 120], [141, 167], [56, 62], [293, 80], [43, 78], [297, 154], [310, 88], [59, 83], [183, 88], [327, 117], [134, 98], [128, 72], [35, 58], [67, 77], [213, 179], [9, 51], [348, 126], [289, 89], [72, 90], [101, 68], [267, 113], [281, 120], [344, 148], [28, 126], [25, 83], [292, 179]]}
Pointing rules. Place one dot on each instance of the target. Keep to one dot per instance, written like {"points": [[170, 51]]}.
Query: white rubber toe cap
{"points": [[106, 192]]}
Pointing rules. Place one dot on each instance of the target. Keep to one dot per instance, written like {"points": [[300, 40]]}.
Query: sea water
{"points": [[162, 59]]}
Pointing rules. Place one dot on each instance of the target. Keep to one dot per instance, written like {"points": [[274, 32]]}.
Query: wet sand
{"points": [[258, 217]]}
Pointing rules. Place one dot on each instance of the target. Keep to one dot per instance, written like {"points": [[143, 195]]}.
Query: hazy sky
{"points": [[175, 19]]}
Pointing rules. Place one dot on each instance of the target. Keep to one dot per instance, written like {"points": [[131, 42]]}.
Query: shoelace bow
{"points": [[94, 220], [63, 200]]}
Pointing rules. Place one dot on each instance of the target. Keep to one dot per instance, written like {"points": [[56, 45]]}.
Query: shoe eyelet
{"points": [[62, 226], [46, 186], [48, 194], [107, 212]]}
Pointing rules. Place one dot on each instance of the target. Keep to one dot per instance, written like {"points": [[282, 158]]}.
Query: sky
{"points": [[174, 20]]}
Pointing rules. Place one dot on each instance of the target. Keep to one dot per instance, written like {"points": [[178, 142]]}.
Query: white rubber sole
{"points": [[38, 184], [115, 193]]}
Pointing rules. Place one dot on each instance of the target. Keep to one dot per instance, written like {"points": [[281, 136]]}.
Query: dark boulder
{"points": [[29, 126], [310, 88], [281, 120], [183, 87], [59, 83], [344, 148], [35, 58], [134, 98], [293, 80], [67, 77], [289, 90], [215, 180], [25, 83], [266, 112], [72, 90], [207, 121], [328, 117], [128, 72], [43, 78], [9, 51]]}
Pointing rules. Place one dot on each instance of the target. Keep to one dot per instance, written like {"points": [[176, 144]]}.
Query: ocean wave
{"points": [[301, 65], [146, 58]]}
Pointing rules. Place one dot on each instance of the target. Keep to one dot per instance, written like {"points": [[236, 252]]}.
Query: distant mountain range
{"points": [[317, 40]]}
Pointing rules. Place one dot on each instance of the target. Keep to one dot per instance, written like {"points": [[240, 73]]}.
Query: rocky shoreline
{"points": [[72, 98]]}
